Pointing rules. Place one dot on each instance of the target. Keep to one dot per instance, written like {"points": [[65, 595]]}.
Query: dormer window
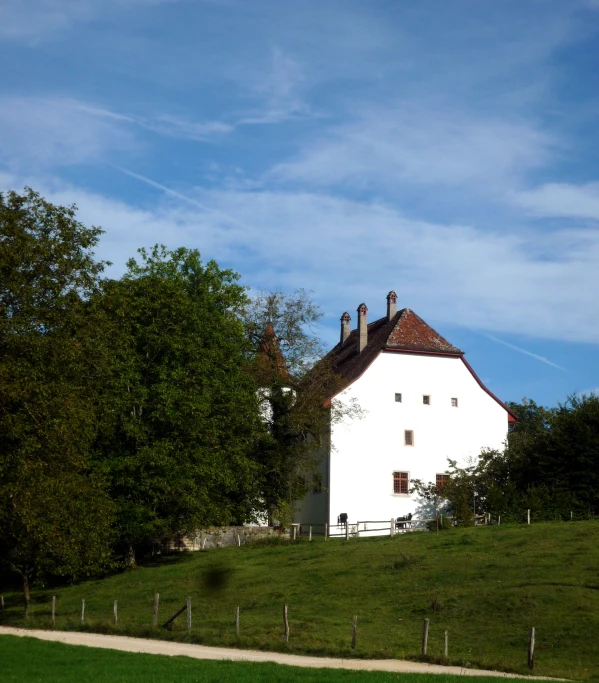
{"points": [[397, 398], [408, 437], [454, 402], [426, 400]]}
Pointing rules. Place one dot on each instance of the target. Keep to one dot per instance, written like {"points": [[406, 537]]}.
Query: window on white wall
{"points": [[426, 400], [441, 480], [454, 402], [397, 398], [401, 482], [408, 437]]}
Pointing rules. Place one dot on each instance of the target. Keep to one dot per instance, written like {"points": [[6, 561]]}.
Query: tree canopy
{"points": [[181, 416]]}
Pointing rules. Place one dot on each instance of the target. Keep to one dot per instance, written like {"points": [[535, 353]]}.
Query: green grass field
{"points": [[29, 660], [486, 586]]}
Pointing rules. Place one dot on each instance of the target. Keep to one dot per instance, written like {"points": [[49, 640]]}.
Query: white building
{"points": [[422, 404]]}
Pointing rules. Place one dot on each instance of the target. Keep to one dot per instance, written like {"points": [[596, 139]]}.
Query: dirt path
{"points": [[162, 647]]}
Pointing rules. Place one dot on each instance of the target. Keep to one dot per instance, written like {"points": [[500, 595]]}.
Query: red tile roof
{"points": [[405, 332]]}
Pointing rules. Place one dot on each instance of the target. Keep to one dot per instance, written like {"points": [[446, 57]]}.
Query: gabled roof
{"points": [[406, 332], [269, 362]]}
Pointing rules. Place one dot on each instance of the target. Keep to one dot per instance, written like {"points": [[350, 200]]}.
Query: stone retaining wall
{"points": [[223, 536]]}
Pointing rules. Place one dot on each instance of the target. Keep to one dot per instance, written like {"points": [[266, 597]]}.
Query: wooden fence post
{"points": [[531, 648], [499, 520], [156, 605], [189, 613], [53, 610], [83, 610], [347, 531], [528, 516], [286, 623], [354, 631], [391, 527], [446, 651], [425, 637], [326, 529], [357, 529], [237, 621], [116, 614], [310, 533]]}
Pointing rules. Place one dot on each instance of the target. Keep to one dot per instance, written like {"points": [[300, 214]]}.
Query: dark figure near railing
{"points": [[401, 522], [342, 519]]}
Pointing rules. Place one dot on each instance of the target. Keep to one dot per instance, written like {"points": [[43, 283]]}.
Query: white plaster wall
{"points": [[366, 452]]}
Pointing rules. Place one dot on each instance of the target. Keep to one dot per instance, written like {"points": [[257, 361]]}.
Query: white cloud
{"points": [[562, 200], [280, 91], [42, 132], [35, 20], [433, 144], [349, 251]]}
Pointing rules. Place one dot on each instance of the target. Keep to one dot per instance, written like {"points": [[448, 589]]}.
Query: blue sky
{"points": [[447, 150]]}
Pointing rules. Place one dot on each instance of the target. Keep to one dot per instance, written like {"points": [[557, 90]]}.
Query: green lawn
{"points": [[486, 586], [26, 660]]}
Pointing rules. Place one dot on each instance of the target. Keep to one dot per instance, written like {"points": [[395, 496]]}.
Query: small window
{"points": [[454, 402], [442, 479], [317, 483], [400, 482], [408, 436], [397, 398], [426, 400]]}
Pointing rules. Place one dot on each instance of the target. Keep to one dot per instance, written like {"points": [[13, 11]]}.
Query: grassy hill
{"points": [[486, 586]]}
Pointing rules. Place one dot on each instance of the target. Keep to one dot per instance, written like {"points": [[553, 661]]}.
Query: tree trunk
{"points": [[26, 595], [130, 557]]}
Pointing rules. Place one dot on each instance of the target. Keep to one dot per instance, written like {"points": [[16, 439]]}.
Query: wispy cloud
{"points": [[280, 90], [562, 200], [415, 143], [542, 359]]}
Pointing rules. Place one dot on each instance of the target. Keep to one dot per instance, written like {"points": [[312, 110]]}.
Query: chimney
{"points": [[391, 304], [362, 327], [345, 321]]}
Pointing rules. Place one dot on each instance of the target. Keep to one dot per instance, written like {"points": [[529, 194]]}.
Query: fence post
{"points": [[310, 533], [237, 621], [354, 631], [156, 604], [53, 610], [528, 516], [531, 648], [391, 527], [83, 610], [347, 531], [189, 613], [446, 652], [116, 615], [286, 623], [425, 637], [357, 529], [326, 530]]}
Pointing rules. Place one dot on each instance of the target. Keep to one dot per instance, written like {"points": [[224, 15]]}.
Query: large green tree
{"points": [[55, 516], [296, 383], [181, 411]]}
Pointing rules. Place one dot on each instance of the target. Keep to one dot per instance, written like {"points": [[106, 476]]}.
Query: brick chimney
{"points": [[362, 327], [391, 304], [345, 321]]}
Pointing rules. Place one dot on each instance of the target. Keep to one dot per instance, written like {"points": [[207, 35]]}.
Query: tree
{"points": [[296, 384], [55, 517], [181, 413]]}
